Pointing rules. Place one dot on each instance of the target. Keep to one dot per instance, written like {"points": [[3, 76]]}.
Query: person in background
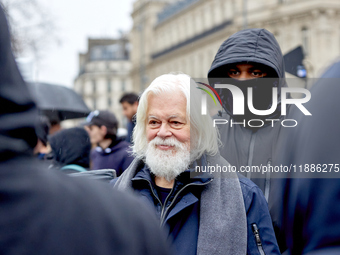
{"points": [[251, 58], [47, 212], [129, 103], [110, 152], [42, 128], [71, 150], [204, 212]]}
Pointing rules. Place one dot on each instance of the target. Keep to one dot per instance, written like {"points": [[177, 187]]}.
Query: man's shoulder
{"points": [[252, 194], [247, 183]]}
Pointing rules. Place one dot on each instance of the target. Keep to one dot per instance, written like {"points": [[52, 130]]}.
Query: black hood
{"points": [[71, 146], [17, 109], [250, 46]]}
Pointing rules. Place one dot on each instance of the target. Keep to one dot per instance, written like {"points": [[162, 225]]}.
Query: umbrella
{"points": [[58, 102], [293, 62]]}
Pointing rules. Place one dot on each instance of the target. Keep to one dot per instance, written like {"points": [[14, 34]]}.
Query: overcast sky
{"points": [[76, 21]]}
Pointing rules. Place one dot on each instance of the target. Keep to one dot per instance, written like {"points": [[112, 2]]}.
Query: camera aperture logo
{"points": [[239, 103], [204, 97]]}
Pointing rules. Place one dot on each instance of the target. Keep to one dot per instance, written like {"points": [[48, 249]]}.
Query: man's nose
{"points": [[164, 131], [244, 76]]}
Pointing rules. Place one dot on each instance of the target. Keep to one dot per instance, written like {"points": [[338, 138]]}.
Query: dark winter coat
{"points": [[243, 146], [310, 200], [47, 212], [183, 220], [115, 157]]}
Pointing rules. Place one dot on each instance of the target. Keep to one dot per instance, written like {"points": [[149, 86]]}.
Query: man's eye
{"points": [[258, 73], [176, 124], [152, 122], [233, 72]]}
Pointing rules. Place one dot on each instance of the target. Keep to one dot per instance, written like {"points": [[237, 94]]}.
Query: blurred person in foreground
{"points": [[310, 197], [212, 213], [129, 102], [111, 152], [251, 58], [47, 212], [71, 150]]}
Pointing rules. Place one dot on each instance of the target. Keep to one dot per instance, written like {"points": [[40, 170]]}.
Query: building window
{"points": [[123, 86], [305, 40], [109, 89], [109, 102]]}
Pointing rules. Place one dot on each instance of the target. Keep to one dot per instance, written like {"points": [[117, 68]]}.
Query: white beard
{"points": [[167, 163]]}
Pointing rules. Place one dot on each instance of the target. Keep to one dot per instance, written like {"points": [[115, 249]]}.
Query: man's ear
{"points": [[135, 104], [103, 130]]}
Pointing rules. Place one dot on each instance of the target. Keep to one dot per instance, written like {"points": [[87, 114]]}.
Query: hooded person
{"points": [[310, 198], [71, 149], [47, 212], [250, 58]]}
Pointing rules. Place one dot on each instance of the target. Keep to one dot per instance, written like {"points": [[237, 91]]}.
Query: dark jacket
{"points": [[310, 200], [47, 212], [71, 146], [244, 146], [115, 157], [182, 221], [130, 126]]}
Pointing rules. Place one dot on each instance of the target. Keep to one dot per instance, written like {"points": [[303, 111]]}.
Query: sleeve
{"points": [[261, 236]]}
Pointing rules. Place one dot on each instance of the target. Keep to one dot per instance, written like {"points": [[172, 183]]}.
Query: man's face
{"points": [[96, 133], [129, 110], [166, 118], [168, 135], [246, 71]]}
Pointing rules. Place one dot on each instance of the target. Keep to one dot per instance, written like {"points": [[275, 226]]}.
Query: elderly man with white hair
{"points": [[204, 213]]}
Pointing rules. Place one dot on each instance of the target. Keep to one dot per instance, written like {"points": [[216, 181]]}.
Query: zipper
{"points": [[166, 209], [257, 238], [267, 181], [251, 153], [153, 193]]}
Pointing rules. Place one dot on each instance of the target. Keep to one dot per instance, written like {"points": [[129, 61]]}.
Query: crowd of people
{"points": [[157, 202]]}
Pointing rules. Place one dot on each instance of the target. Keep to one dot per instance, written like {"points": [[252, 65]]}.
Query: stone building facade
{"points": [[185, 35], [104, 74]]}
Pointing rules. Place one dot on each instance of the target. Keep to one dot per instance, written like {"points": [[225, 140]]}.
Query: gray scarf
{"points": [[223, 220]]}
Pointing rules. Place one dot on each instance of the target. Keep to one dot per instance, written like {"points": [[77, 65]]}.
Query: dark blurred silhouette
{"points": [[42, 128], [47, 212], [310, 201]]}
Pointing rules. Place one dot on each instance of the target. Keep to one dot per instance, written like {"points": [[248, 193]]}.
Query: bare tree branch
{"points": [[32, 27]]}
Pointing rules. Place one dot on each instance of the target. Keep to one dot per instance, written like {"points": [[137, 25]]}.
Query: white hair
{"points": [[204, 137]]}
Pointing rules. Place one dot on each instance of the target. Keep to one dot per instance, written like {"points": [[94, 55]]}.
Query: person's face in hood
{"points": [[244, 76]]}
